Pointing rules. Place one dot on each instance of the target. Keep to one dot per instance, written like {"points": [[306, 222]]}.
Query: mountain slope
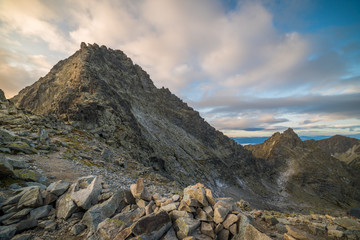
{"points": [[102, 91], [304, 173]]}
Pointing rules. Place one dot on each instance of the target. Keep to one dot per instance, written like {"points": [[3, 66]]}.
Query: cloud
{"points": [[18, 69]]}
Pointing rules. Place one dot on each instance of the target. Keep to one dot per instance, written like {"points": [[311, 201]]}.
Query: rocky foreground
{"points": [[88, 209]]}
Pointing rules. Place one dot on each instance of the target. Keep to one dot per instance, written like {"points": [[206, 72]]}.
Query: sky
{"points": [[251, 68]]}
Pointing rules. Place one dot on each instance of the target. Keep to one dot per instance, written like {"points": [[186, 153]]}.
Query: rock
{"points": [[152, 226], [170, 207], [210, 197], [271, 220], [100, 212], [233, 229], [178, 214], [201, 215], [223, 235], [22, 213], [149, 208], [36, 184], [65, 207], [138, 190], [26, 224], [298, 234], [317, 228], [218, 228], [207, 229], [28, 175], [185, 207], [49, 198], [2, 96], [196, 192], [77, 229], [59, 187], [123, 234], [348, 223], [335, 233], [111, 227], [40, 212], [44, 137], [86, 197], [31, 198], [7, 232], [141, 203], [175, 197], [170, 235], [209, 211], [220, 214], [21, 147], [129, 198], [6, 169], [185, 226], [230, 219]]}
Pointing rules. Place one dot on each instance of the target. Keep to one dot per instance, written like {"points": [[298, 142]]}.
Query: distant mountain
{"points": [[258, 140], [306, 171]]}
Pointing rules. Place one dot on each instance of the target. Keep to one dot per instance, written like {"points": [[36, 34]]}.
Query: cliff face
{"points": [[102, 91], [307, 174]]}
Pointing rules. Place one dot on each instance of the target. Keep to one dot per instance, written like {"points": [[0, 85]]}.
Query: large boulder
{"points": [[185, 226], [65, 207], [111, 227], [59, 187], [139, 191], [86, 196], [31, 198], [196, 192], [98, 213], [152, 226]]}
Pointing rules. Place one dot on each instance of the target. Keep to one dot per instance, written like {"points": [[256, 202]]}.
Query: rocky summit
{"points": [[94, 150], [102, 91]]}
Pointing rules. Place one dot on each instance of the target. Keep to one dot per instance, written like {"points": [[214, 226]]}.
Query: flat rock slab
{"points": [[86, 197], [31, 198], [59, 187]]}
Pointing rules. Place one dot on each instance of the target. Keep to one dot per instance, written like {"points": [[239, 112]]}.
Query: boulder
{"points": [[77, 229], [210, 197], [152, 226], [100, 212], [185, 226], [31, 198], [40, 212], [170, 207], [65, 207], [298, 234], [220, 214], [111, 227], [139, 191], [196, 192], [207, 229], [230, 220], [223, 235], [170, 235], [22, 213], [59, 187], [88, 196]]}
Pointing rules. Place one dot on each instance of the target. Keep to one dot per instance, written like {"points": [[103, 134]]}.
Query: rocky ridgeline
{"points": [[87, 209]]}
